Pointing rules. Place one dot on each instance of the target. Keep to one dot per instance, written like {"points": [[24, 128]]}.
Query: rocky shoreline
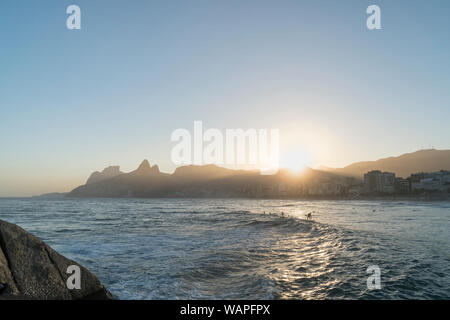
{"points": [[32, 270]]}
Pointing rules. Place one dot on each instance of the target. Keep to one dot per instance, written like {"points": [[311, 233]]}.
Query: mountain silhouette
{"points": [[107, 173], [145, 169], [403, 166], [207, 172], [214, 181], [187, 181], [142, 182]]}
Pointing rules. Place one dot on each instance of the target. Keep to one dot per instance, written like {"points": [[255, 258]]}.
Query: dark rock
{"points": [[3, 286], [30, 269]]}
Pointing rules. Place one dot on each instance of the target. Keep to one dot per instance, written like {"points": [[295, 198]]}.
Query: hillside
{"points": [[403, 166]]}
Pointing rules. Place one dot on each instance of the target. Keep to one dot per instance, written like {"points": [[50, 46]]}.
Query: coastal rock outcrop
{"points": [[30, 269]]}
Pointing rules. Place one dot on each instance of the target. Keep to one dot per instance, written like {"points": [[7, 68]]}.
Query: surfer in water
{"points": [[308, 216]]}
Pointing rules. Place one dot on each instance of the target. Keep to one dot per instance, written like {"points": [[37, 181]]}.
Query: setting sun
{"points": [[295, 159]]}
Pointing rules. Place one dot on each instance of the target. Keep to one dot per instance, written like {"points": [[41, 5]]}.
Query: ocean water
{"points": [[230, 249]]}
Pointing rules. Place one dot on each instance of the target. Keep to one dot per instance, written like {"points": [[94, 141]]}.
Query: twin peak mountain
{"points": [[113, 171], [149, 181]]}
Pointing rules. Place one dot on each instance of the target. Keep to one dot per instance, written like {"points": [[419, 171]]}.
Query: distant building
{"points": [[330, 188], [355, 190], [262, 190], [402, 185], [377, 181], [435, 181]]}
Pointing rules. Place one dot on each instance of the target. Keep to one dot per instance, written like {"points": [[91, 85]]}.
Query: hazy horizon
{"points": [[74, 102], [82, 180]]}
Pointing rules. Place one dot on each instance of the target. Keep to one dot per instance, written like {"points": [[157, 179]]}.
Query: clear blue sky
{"points": [[72, 102]]}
